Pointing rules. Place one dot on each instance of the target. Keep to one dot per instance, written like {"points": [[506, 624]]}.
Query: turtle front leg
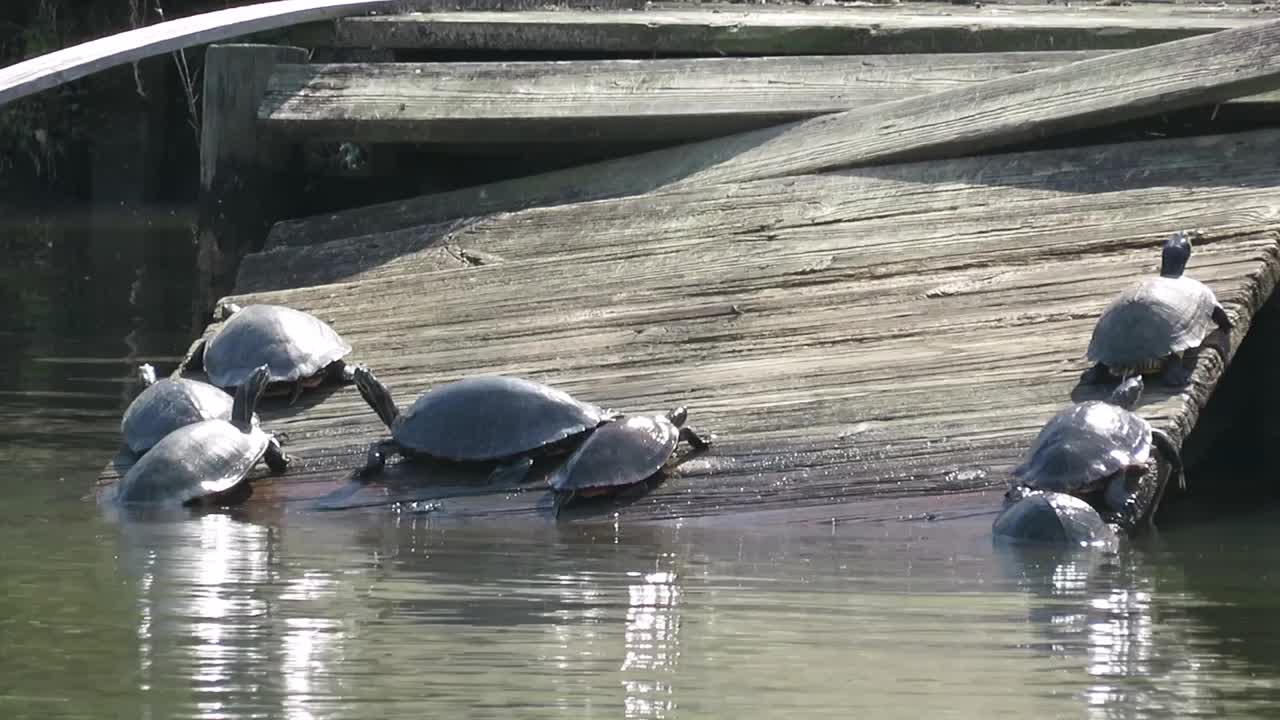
{"points": [[1118, 493], [562, 499], [276, 457], [342, 372], [295, 392], [696, 440], [376, 457], [512, 472]]}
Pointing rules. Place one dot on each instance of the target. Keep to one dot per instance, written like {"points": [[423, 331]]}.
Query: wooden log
{"points": [[606, 100], [62, 66], [963, 121], [792, 30], [1174, 168], [243, 176]]}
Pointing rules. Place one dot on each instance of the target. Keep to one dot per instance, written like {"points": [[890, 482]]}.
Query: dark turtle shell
{"points": [[204, 458], [1053, 518], [167, 405], [295, 345], [1152, 319], [491, 417], [623, 452], [1084, 444]]}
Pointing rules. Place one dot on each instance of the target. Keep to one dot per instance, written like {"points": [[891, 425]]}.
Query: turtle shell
{"points": [[167, 405], [1053, 518], [1084, 444], [491, 417], [1152, 319], [623, 452], [292, 344], [207, 457]]}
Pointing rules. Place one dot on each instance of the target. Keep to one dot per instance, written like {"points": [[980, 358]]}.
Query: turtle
{"points": [[1150, 325], [207, 460], [166, 405], [622, 453], [484, 418], [1096, 445], [301, 349], [1057, 518]]}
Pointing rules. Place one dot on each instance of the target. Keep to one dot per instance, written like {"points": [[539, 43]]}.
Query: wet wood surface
{"points": [[606, 100], [838, 353], [952, 123]]}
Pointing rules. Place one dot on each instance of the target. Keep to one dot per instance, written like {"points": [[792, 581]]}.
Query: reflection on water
{"points": [[407, 616]]}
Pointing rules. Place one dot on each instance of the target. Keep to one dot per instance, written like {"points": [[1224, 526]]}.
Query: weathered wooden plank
{"points": [[795, 30], [1180, 166], [241, 191], [624, 100], [962, 121], [61, 66], [836, 360]]}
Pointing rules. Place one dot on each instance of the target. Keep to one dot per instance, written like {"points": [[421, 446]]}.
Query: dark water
{"points": [[399, 616]]}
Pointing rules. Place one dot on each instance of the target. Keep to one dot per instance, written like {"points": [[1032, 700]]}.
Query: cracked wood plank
{"points": [[1175, 167], [606, 100], [963, 121]]}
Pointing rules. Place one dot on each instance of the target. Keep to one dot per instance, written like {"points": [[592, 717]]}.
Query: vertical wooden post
{"points": [[244, 183]]}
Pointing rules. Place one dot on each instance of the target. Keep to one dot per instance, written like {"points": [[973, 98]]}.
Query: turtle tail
{"points": [[376, 394]]}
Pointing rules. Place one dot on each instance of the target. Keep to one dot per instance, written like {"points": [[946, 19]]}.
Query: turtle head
{"points": [[247, 396], [1127, 393], [678, 416], [376, 394], [1174, 256], [146, 375]]}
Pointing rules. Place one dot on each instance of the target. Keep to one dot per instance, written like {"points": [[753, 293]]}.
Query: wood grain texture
{"points": [[796, 30], [61, 66], [835, 358], [962, 121], [1175, 170], [602, 100], [387, 225]]}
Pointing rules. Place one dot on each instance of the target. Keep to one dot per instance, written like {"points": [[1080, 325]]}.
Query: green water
{"points": [[402, 616]]}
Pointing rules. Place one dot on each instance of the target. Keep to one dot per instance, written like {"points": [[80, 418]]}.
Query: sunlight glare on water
{"points": [[310, 616]]}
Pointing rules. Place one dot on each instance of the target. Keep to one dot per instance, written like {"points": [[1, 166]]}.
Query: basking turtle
{"points": [[301, 350], [207, 459], [1057, 518], [1149, 326], [166, 405], [1095, 445], [622, 453], [479, 419]]}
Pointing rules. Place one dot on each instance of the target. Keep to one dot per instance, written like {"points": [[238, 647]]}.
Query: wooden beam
{"points": [[792, 30], [607, 100], [242, 172], [963, 121], [1176, 167], [62, 66]]}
